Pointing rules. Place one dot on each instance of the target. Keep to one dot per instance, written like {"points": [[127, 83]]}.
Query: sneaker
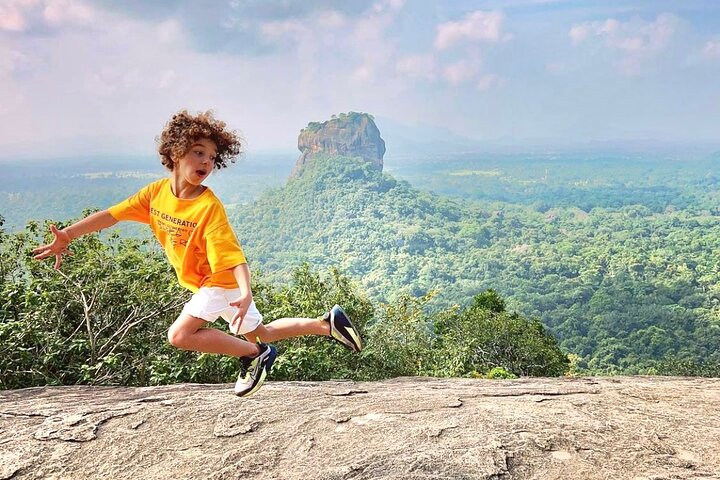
{"points": [[342, 330], [254, 370]]}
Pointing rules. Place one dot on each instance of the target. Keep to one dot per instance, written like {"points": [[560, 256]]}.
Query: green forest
{"points": [[102, 319], [488, 267], [628, 280]]}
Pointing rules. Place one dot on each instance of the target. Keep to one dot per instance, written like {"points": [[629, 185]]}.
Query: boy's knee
{"points": [[261, 333], [177, 336]]}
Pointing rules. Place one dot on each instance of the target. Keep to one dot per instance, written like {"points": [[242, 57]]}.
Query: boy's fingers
{"points": [[46, 251], [235, 326], [43, 254], [237, 319], [58, 261]]}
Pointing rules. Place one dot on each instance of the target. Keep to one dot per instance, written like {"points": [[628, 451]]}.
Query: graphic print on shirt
{"points": [[178, 231]]}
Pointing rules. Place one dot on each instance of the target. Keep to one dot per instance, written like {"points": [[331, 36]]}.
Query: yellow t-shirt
{"points": [[195, 233]]}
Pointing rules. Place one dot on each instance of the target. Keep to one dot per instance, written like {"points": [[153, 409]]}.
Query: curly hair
{"points": [[183, 129]]}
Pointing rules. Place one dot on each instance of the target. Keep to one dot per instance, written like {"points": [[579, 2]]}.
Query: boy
{"points": [[191, 225]]}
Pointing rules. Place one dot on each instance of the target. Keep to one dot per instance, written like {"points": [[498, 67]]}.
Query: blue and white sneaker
{"points": [[254, 370], [342, 329]]}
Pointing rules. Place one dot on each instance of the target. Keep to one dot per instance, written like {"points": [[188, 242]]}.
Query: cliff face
{"points": [[409, 428], [350, 135]]}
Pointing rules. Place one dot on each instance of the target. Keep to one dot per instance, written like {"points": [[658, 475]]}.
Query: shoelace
{"points": [[245, 365]]}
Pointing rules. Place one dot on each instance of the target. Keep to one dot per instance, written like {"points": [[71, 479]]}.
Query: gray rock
{"points": [[406, 428], [349, 135]]}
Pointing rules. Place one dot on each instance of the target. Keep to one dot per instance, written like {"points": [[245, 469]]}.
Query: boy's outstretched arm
{"points": [[92, 223], [242, 275]]}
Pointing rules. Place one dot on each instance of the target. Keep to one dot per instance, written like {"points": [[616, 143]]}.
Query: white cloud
{"points": [[475, 27], [487, 81], [635, 36], [167, 79], [635, 40], [12, 61], [417, 66], [359, 48], [578, 33], [68, 12], [374, 24], [169, 32], [712, 49], [72, 79], [461, 72], [282, 28], [362, 74], [388, 5], [62, 75], [14, 14], [22, 15], [318, 29], [331, 19], [108, 80], [13, 105], [371, 43], [467, 71]]}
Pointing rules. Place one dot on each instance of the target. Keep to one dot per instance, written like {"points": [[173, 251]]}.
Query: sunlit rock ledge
{"points": [[406, 428]]}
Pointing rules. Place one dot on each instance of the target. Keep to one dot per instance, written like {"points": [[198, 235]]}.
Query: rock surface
{"points": [[407, 428], [350, 135]]}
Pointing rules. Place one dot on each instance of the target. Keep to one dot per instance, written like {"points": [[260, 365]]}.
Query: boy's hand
{"points": [[242, 303], [57, 247]]}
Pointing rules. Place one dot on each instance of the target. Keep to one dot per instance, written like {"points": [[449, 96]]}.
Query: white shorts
{"points": [[209, 303]]}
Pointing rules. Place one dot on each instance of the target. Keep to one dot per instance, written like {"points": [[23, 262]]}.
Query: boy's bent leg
{"points": [[289, 327], [190, 333]]}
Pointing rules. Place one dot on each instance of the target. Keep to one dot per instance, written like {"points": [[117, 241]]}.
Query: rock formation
{"points": [[407, 428], [350, 135]]}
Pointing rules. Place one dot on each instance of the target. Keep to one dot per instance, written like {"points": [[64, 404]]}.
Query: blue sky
{"points": [[85, 77]]}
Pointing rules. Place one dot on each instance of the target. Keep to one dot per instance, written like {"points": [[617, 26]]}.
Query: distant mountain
{"points": [[348, 134]]}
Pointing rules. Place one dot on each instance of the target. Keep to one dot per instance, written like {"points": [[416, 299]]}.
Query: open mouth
{"points": [[202, 173]]}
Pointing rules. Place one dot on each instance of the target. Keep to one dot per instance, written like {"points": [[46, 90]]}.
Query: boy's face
{"points": [[198, 162]]}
